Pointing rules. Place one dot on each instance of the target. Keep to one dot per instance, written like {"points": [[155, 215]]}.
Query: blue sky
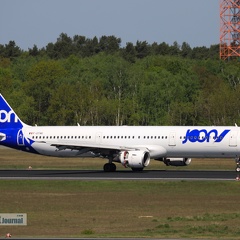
{"points": [[39, 22]]}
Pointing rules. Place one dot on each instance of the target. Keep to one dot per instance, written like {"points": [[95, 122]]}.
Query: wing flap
{"points": [[90, 146]]}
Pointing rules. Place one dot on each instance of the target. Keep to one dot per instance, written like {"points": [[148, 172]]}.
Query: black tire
{"points": [[113, 167], [109, 167], [137, 169]]}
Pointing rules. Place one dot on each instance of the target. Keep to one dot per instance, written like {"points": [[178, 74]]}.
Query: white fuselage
{"points": [[160, 141]]}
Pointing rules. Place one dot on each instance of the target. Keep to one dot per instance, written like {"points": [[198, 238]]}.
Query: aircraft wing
{"points": [[76, 146], [91, 147], [104, 149]]}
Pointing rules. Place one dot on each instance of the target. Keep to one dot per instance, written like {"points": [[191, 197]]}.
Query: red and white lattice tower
{"points": [[230, 29]]}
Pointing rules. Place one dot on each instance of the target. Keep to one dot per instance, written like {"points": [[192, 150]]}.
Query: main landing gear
{"points": [[109, 167]]}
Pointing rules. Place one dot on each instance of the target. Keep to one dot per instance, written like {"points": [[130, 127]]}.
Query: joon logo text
{"points": [[8, 116], [203, 135]]}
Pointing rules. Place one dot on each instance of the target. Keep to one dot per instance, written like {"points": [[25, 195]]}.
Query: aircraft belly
{"points": [[203, 151]]}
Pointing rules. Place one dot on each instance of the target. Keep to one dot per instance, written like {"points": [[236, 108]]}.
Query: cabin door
{"points": [[98, 137], [233, 139], [172, 139]]}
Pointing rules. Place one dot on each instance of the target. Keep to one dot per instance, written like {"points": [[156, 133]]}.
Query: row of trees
{"points": [[81, 46], [105, 89]]}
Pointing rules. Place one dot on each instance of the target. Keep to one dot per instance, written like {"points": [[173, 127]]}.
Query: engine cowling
{"points": [[177, 162], [135, 159]]}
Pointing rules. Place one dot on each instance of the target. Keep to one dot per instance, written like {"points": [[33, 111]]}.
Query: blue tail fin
{"points": [[8, 118], [12, 129]]}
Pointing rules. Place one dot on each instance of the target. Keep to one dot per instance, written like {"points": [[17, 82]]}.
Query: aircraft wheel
{"points": [[106, 167], [137, 169], [109, 167], [113, 167]]}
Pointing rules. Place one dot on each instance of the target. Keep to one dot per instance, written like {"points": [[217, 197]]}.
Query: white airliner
{"points": [[132, 146]]}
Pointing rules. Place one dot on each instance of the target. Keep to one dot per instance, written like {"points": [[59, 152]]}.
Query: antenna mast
{"points": [[229, 29]]}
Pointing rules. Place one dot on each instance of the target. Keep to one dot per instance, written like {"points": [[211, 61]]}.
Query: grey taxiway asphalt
{"points": [[118, 175]]}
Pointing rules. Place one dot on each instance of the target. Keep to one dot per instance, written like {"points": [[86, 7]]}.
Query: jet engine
{"points": [[178, 162], [135, 159]]}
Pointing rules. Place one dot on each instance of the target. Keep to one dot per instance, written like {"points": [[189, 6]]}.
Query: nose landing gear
{"points": [[238, 168]]}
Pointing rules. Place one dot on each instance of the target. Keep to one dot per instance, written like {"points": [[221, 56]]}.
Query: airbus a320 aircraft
{"points": [[132, 146]]}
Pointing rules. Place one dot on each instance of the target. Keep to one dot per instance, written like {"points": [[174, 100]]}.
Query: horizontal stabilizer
{"points": [[2, 136]]}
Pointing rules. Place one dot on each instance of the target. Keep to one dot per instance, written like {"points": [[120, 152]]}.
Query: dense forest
{"points": [[98, 82]]}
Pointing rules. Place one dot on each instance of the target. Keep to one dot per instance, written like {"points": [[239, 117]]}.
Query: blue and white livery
{"points": [[132, 146]]}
